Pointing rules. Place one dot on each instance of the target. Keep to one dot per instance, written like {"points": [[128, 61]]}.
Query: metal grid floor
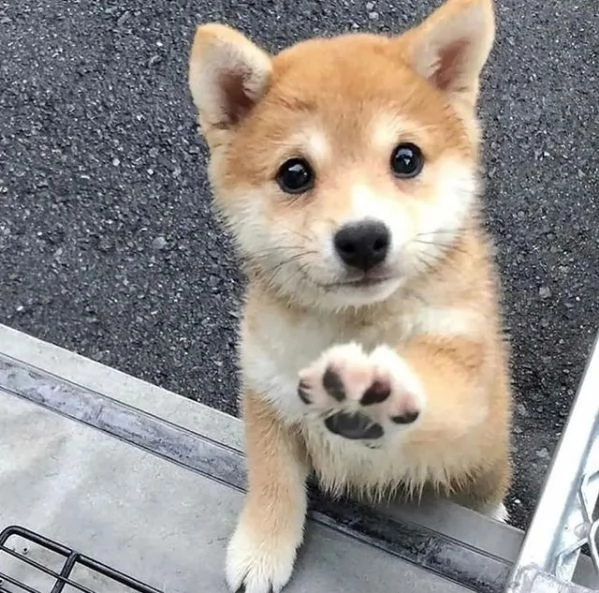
{"points": [[62, 580]]}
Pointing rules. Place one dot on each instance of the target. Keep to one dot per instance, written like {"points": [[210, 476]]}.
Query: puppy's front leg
{"points": [[442, 389], [262, 552]]}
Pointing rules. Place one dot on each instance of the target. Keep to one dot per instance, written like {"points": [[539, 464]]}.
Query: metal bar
{"points": [[22, 586], [531, 580], [72, 558], [60, 578], [562, 520], [116, 576], [63, 578], [35, 538]]}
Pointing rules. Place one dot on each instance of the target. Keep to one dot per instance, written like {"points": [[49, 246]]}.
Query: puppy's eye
{"points": [[295, 176], [406, 161]]}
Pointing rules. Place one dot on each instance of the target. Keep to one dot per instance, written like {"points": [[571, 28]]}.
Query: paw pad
{"points": [[406, 418], [333, 384], [362, 396], [353, 426], [302, 391], [377, 393]]}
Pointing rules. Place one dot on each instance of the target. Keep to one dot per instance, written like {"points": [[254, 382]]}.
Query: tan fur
{"points": [[432, 329], [278, 481]]}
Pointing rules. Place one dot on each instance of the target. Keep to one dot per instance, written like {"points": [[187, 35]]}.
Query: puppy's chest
{"points": [[274, 351]]}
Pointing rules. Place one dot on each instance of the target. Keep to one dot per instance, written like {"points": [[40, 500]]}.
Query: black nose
{"points": [[362, 245]]}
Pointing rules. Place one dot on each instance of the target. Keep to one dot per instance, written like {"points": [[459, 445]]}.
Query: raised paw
{"points": [[362, 396]]}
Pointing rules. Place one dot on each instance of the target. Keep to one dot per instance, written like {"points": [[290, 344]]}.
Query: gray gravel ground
{"points": [[107, 244]]}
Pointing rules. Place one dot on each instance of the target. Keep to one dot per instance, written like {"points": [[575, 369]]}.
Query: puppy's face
{"points": [[345, 167]]}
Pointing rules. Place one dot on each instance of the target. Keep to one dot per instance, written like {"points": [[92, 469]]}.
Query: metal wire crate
{"points": [[564, 521], [61, 579]]}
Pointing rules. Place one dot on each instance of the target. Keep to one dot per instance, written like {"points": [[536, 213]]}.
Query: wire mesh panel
{"points": [[564, 521], [532, 580], [32, 563]]}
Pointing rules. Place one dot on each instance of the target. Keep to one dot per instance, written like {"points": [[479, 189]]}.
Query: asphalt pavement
{"points": [[108, 246]]}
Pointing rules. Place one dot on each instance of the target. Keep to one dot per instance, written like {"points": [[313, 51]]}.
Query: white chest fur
{"points": [[277, 348], [280, 345]]}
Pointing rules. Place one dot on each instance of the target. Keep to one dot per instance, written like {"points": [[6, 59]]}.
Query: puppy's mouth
{"points": [[364, 281]]}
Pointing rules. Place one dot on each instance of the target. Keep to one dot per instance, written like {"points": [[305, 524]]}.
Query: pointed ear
{"points": [[452, 45], [228, 75]]}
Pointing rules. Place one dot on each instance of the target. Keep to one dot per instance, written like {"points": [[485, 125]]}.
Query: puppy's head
{"points": [[346, 166]]}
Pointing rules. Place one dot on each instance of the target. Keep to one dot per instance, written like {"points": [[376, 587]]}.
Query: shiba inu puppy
{"points": [[371, 345]]}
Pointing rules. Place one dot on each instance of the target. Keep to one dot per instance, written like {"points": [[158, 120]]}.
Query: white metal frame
{"points": [[564, 519]]}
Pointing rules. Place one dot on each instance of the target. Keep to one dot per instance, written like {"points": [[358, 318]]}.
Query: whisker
{"points": [[278, 248], [455, 231], [427, 263], [442, 246], [418, 297]]}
